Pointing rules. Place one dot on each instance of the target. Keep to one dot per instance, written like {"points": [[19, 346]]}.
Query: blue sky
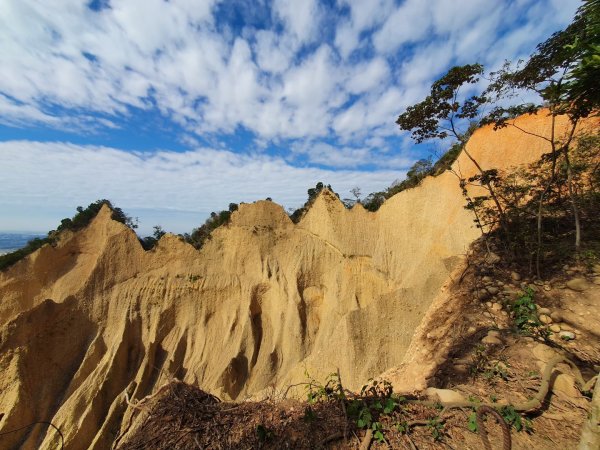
{"points": [[175, 109]]}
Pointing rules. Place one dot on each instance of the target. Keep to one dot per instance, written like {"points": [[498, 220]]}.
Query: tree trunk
{"points": [[573, 203], [491, 191], [542, 197]]}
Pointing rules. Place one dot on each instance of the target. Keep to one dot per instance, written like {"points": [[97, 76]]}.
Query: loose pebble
{"points": [[578, 284], [491, 340], [567, 335], [545, 319]]}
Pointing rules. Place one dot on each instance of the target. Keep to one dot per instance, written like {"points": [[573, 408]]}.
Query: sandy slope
{"points": [[265, 300]]}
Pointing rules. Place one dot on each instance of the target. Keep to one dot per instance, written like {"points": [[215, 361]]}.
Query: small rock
{"points": [[566, 267], [444, 395], [545, 311], [499, 283], [547, 287], [515, 276], [504, 313], [461, 368], [578, 284], [471, 330], [493, 290], [538, 282], [565, 384], [494, 333], [488, 304], [492, 258], [596, 268], [483, 295], [500, 365], [545, 319], [491, 340], [566, 327], [496, 306], [567, 335], [543, 353], [555, 328], [487, 279], [487, 314], [556, 316]]}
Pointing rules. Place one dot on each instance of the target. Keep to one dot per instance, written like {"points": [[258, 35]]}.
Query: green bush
{"points": [[77, 222], [312, 195], [420, 170], [200, 235]]}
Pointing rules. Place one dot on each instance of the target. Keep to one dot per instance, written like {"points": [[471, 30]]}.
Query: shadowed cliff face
{"points": [[263, 301]]}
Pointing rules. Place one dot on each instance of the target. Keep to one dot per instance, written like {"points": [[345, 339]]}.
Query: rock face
{"points": [[265, 300]]}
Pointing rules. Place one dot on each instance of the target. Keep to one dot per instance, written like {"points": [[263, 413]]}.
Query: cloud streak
{"points": [[61, 176]]}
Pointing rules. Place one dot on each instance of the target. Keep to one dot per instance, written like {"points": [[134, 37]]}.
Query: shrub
{"points": [[77, 222], [201, 234], [312, 195], [420, 170]]}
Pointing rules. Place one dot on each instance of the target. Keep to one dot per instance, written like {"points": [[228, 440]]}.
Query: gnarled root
{"points": [[482, 411]]}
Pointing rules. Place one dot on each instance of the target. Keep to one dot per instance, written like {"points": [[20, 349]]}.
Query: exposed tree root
{"points": [[483, 411]]}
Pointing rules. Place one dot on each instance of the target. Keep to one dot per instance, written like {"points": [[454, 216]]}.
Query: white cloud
{"points": [[301, 78], [62, 176], [346, 39], [368, 76], [364, 14], [273, 53], [301, 17], [411, 22]]}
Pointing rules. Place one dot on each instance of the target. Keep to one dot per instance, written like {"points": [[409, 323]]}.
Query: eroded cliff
{"points": [[265, 300]]}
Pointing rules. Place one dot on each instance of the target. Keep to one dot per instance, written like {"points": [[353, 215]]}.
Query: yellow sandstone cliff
{"points": [[265, 300]]}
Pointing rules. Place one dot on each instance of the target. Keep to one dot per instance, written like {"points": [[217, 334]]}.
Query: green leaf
{"points": [[389, 406], [472, 424]]}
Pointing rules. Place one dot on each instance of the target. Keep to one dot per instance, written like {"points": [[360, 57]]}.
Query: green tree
{"points": [[564, 72], [442, 113], [582, 89]]}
